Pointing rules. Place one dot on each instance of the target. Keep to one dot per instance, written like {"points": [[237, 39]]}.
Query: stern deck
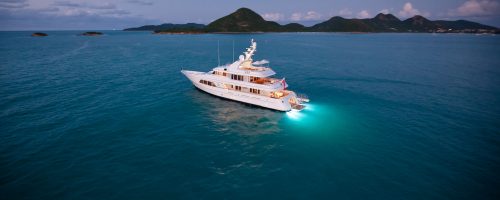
{"points": [[298, 107]]}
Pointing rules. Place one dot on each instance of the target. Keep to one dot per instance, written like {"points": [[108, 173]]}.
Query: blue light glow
{"points": [[294, 114], [309, 107]]}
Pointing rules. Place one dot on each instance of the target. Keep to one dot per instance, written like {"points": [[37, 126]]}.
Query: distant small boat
{"points": [[244, 82]]}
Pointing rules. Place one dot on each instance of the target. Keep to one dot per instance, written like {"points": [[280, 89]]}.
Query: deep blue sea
{"points": [[392, 116]]}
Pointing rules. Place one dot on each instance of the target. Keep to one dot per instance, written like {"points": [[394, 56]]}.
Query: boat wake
{"points": [[72, 52]]}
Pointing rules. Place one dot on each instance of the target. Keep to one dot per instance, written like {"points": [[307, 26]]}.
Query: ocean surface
{"points": [[392, 116]]}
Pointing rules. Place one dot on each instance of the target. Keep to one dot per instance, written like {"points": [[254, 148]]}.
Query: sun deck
{"points": [[254, 68]]}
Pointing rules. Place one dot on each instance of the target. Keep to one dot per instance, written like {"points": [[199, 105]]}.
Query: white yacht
{"points": [[249, 82]]}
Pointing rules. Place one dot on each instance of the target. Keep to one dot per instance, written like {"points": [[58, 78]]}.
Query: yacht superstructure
{"points": [[245, 82]]}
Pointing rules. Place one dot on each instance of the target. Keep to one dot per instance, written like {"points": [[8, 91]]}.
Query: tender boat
{"points": [[249, 82]]}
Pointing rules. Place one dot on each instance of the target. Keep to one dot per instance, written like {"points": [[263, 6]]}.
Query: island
{"points": [[39, 34], [178, 32], [245, 20], [91, 33], [167, 26]]}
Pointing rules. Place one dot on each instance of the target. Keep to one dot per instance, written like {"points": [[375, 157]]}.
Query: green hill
{"points": [[243, 20], [418, 24], [293, 27], [384, 23], [167, 26], [340, 24]]}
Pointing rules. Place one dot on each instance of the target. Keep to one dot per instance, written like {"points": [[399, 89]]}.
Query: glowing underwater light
{"points": [[309, 107], [294, 114], [304, 113]]}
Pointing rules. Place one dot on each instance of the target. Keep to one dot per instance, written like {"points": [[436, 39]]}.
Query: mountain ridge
{"points": [[245, 20], [166, 26]]}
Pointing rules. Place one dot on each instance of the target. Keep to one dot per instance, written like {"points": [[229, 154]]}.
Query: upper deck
{"points": [[246, 71], [264, 83], [245, 65]]}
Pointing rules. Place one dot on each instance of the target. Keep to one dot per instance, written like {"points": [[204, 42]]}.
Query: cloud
{"points": [[48, 9], [384, 11], [68, 8], [103, 6], [312, 15], [273, 16], [345, 12], [296, 16], [477, 8], [84, 5], [363, 14], [9, 4], [66, 4], [141, 2], [410, 11], [309, 16], [68, 15], [70, 19], [117, 12]]}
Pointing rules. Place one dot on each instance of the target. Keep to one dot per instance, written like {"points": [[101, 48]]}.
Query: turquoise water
{"points": [[392, 116]]}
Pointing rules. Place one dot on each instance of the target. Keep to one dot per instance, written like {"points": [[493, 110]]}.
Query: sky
{"points": [[119, 14]]}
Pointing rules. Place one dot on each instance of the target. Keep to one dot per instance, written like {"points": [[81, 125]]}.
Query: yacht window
{"points": [[237, 77], [256, 91]]}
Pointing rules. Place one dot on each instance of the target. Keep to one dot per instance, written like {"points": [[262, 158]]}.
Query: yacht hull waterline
{"points": [[242, 81]]}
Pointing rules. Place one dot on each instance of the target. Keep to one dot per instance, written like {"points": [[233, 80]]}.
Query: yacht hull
{"points": [[281, 104]]}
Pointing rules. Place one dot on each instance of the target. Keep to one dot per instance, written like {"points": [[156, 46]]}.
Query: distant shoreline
{"points": [[236, 33], [177, 33], [247, 21], [347, 32]]}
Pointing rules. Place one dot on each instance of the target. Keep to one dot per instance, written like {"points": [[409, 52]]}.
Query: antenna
{"points": [[233, 50], [218, 54]]}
